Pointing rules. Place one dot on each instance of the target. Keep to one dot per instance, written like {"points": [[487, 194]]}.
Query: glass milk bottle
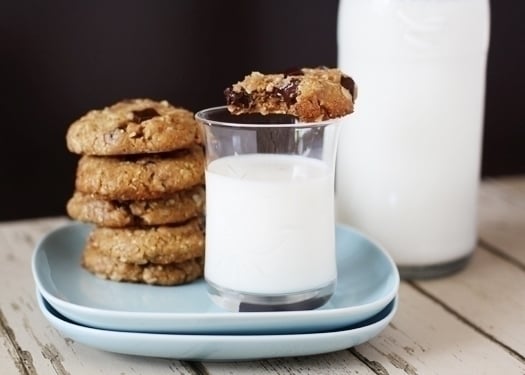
{"points": [[408, 160]]}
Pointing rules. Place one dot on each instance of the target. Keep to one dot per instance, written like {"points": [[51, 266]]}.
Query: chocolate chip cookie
{"points": [[131, 127], [175, 208], [157, 244], [106, 267], [309, 94], [140, 177]]}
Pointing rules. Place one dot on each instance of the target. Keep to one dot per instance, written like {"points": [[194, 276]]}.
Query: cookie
{"points": [[309, 94], [131, 127], [157, 244], [176, 208], [159, 274], [140, 177]]}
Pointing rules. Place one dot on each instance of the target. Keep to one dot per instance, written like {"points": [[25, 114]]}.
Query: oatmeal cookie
{"points": [[131, 127], [157, 244], [139, 177], [107, 267], [310, 94], [176, 208]]}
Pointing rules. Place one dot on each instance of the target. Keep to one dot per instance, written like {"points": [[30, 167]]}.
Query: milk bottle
{"points": [[408, 161]]}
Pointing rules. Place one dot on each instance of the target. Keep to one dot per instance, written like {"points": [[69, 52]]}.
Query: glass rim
{"points": [[202, 116]]}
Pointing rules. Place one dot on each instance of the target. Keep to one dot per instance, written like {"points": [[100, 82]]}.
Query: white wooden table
{"points": [[470, 323]]}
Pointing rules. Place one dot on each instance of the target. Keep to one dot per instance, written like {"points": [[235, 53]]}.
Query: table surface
{"points": [[472, 322]]}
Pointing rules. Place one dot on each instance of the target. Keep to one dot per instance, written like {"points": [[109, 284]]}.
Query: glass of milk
{"points": [[270, 222]]}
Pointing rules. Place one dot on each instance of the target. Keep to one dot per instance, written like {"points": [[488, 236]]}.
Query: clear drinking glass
{"points": [[270, 226]]}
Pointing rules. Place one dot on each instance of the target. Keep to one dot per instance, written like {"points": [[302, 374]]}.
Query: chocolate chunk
{"points": [[289, 91], [241, 98], [348, 83], [144, 115]]}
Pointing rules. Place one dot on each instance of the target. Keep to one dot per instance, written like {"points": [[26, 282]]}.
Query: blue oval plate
{"points": [[219, 347], [368, 281]]}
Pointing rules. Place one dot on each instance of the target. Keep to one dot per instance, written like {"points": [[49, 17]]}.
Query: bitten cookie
{"points": [[159, 274], [158, 244], [140, 177], [308, 94], [176, 208], [131, 127]]}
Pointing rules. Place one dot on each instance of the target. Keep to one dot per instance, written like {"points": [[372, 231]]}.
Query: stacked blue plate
{"points": [[182, 322]]}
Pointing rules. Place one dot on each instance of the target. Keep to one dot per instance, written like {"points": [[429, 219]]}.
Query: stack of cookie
{"points": [[140, 181]]}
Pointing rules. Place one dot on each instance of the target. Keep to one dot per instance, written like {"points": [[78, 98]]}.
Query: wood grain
{"points": [[424, 338], [502, 217]]}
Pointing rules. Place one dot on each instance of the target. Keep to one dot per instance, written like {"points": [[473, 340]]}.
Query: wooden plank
{"points": [[424, 338], [502, 216], [342, 362], [15, 278], [43, 349], [489, 293], [11, 360]]}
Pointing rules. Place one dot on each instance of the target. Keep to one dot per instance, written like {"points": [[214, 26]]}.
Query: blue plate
{"points": [[368, 281], [219, 347]]}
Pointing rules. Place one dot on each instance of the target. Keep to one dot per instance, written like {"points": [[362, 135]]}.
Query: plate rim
{"points": [[366, 331], [56, 301]]}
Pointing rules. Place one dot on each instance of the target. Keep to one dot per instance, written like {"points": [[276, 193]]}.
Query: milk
{"points": [[286, 202], [408, 160]]}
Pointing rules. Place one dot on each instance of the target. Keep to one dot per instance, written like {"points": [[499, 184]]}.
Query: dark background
{"points": [[60, 59]]}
